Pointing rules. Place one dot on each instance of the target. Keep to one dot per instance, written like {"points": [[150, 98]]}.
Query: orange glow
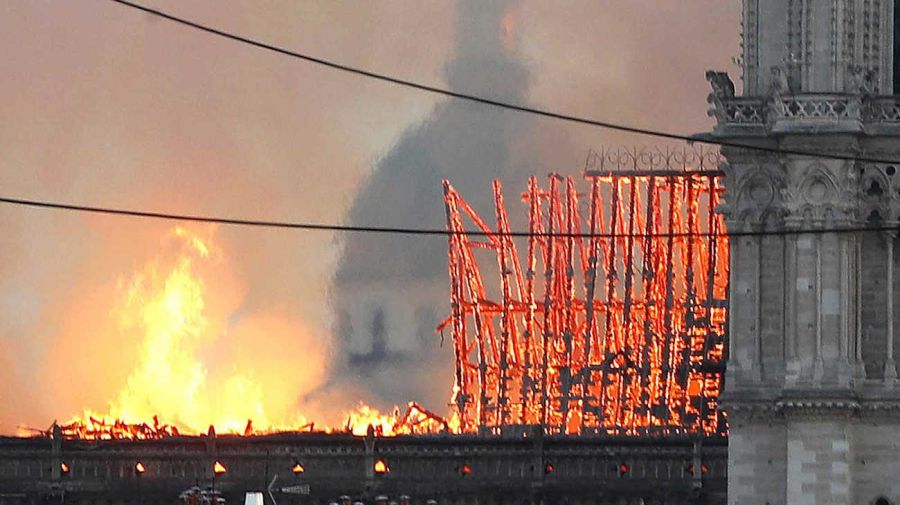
{"points": [[179, 304], [169, 303], [611, 319], [139, 468], [381, 467], [416, 420], [219, 468], [508, 29], [359, 420], [64, 468], [465, 470], [297, 469]]}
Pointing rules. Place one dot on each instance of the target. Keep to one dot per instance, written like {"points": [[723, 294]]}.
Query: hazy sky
{"points": [[103, 105]]}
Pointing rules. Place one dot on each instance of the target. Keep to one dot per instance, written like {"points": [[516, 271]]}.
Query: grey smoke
{"points": [[383, 279]]}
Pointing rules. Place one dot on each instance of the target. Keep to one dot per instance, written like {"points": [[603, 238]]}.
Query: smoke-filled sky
{"points": [[103, 105]]}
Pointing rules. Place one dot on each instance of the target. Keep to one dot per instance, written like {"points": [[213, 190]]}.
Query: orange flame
{"points": [[175, 304], [415, 421]]}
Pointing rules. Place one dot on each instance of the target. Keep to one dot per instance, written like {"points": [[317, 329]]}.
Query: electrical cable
{"points": [[498, 103], [414, 231]]}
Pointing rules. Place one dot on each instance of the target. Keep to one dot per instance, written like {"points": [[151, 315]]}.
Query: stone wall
{"points": [[757, 462], [500, 470]]}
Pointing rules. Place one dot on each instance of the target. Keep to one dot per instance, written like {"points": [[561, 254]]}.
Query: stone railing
{"points": [[834, 107], [838, 110], [883, 109], [740, 110]]}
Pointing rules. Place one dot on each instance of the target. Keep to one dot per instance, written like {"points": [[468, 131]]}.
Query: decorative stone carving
{"points": [[722, 90], [814, 107], [780, 84], [860, 81], [721, 83], [753, 195], [742, 111], [884, 110], [660, 159], [811, 309], [878, 193], [815, 196]]}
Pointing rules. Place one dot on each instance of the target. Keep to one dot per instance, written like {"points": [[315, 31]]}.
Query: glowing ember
{"points": [[618, 332], [219, 468], [414, 421], [139, 468], [381, 467]]}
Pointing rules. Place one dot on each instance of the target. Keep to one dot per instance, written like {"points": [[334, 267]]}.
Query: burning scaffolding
{"points": [[612, 322]]}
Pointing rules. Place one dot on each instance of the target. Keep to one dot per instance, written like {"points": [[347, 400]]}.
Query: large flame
{"points": [[171, 380], [183, 381]]}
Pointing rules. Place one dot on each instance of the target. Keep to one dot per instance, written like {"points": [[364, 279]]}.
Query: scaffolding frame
{"points": [[614, 320]]}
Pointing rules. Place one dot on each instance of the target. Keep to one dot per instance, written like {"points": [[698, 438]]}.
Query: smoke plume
{"points": [[392, 290]]}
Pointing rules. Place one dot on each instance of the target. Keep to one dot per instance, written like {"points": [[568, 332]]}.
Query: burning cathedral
{"points": [[676, 326]]}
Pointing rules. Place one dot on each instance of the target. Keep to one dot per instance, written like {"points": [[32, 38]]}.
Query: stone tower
{"points": [[812, 394]]}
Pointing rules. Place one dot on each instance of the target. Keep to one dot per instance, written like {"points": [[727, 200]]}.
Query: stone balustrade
{"points": [[516, 470], [806, 111]]}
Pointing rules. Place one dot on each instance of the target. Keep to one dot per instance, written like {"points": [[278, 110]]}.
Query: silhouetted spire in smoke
{"points": [[484, 64], [465, 142], [386, 286]]}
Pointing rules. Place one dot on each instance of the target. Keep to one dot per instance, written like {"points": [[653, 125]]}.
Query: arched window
{"points": [[881, 500]]}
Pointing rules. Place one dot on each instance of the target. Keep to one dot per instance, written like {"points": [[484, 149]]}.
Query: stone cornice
{"points": [[811, 407]]}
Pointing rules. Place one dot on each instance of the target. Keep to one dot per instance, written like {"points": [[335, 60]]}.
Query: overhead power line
{"points": [[492, 102], [412, 231]]}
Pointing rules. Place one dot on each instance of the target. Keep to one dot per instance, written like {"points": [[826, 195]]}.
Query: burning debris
{"points": [[619, 331], [414, 420], [95, 428]]}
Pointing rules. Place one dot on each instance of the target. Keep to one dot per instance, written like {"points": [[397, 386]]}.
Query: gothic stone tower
{"points": [[812, 393]]}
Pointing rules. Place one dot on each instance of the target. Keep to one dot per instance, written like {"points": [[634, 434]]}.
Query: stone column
{"points": [[55, 452], [890, 367]]}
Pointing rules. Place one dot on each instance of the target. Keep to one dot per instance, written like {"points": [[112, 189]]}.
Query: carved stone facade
{"points": [[817, 44], [811, 388]]}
